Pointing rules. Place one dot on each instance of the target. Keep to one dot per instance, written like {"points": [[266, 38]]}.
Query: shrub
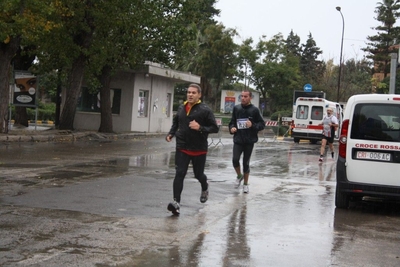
{"points": [[282, 113], [280, 131], [226, 120], [46, 112]]}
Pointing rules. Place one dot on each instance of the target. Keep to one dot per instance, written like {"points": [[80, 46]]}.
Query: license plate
{"points": [[373, 156]]}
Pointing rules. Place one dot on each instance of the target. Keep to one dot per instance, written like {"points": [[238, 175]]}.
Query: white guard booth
{"points": [[141, 100]]}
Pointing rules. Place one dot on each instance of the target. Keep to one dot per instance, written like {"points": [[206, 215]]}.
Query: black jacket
{"points": [[248, 135], [187, 138]]}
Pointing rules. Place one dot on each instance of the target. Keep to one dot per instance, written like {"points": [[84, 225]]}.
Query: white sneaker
{"points": [[246, 188], [239, 180]]}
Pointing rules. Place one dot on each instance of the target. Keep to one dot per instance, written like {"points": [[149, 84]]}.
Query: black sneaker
{"points": [[174, 208], [333, 154], [204, 196], [321, 159]]}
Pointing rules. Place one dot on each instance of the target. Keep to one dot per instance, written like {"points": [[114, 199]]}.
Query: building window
{"points": [[90, 102], [143, 103]]}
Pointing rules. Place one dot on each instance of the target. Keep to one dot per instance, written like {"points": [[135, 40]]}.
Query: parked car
{"points": [[368, 162]]}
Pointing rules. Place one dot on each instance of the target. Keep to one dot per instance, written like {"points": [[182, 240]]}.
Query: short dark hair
{"points": [[195, 85], [247, 90]]}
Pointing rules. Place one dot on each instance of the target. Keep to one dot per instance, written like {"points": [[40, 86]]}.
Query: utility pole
{"points": [[338, 8], [393, 68]]}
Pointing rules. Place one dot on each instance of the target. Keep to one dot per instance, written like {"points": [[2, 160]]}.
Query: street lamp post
{"points": [[338, 8]]}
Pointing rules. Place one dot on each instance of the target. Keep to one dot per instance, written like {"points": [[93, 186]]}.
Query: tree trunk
{"points": [[205, 87], [21, 116], [106, 125], [73, 89], [58, 100], [7, 52], [4, 93]]}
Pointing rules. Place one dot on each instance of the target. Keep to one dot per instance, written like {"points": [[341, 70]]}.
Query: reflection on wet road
{"points": [[104, 204]]}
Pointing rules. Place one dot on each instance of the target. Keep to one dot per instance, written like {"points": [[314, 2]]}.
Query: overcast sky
{"points": [[254, 18]]}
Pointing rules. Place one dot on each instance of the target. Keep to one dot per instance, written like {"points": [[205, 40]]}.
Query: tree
{"points": [[275, 73], [380, 45], [124, 43], [247, 57], [157, 38], [356, 78], [329, 79], [311, 68], [293, 45], [217, 58], [94, 39], [20, 21]]}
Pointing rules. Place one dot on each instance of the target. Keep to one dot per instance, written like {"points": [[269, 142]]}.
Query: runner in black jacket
{"points": [[191, 126], [245, 124]]}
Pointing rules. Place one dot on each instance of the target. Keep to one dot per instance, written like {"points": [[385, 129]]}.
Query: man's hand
{"points": [[233, 130], [168, 138], [194, 125], [248, 124]]}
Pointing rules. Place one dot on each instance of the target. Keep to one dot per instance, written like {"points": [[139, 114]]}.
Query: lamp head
{"points": [[338, 8]]}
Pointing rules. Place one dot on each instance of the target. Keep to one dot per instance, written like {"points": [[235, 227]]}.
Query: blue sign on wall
{"points": [[307, 87]]}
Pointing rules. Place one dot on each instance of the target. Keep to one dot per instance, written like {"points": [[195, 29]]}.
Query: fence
{"points": [[269, 128], [274, 128], [217, 135]]}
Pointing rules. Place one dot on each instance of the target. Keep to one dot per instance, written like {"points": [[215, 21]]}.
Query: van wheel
{"points": [[296, 140], [342, 200]]}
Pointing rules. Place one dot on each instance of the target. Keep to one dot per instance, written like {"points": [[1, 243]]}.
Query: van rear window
{"points": [[317, 113], [302, 112], [376, 122]]}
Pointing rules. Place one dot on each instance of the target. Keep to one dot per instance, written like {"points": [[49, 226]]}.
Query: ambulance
{"points": [[308, 113]]}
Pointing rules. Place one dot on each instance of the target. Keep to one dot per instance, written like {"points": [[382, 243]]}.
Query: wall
{"points": [[157, 109], [160, 113], [121, 122]]}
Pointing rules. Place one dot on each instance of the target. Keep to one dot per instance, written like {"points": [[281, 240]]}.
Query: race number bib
{"points": [[241, 124]]}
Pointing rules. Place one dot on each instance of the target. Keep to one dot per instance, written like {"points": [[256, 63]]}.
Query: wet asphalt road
{"points": [[103, 203]]}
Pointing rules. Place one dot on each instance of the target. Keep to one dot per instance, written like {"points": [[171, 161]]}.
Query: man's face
{"points": [[245, 98], [192, 95]]}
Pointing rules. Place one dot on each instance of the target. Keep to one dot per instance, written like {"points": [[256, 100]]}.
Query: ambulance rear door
{"points": [[309, 114]]}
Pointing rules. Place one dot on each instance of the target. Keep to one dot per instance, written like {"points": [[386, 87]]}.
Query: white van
{"points": [[308, 113], [368, 162]]}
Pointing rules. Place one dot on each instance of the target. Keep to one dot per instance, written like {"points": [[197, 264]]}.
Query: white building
{"points": [[141, 100]]}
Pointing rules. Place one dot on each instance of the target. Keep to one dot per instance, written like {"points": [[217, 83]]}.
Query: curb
{"points": [[38, 122], [68, 136]]}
